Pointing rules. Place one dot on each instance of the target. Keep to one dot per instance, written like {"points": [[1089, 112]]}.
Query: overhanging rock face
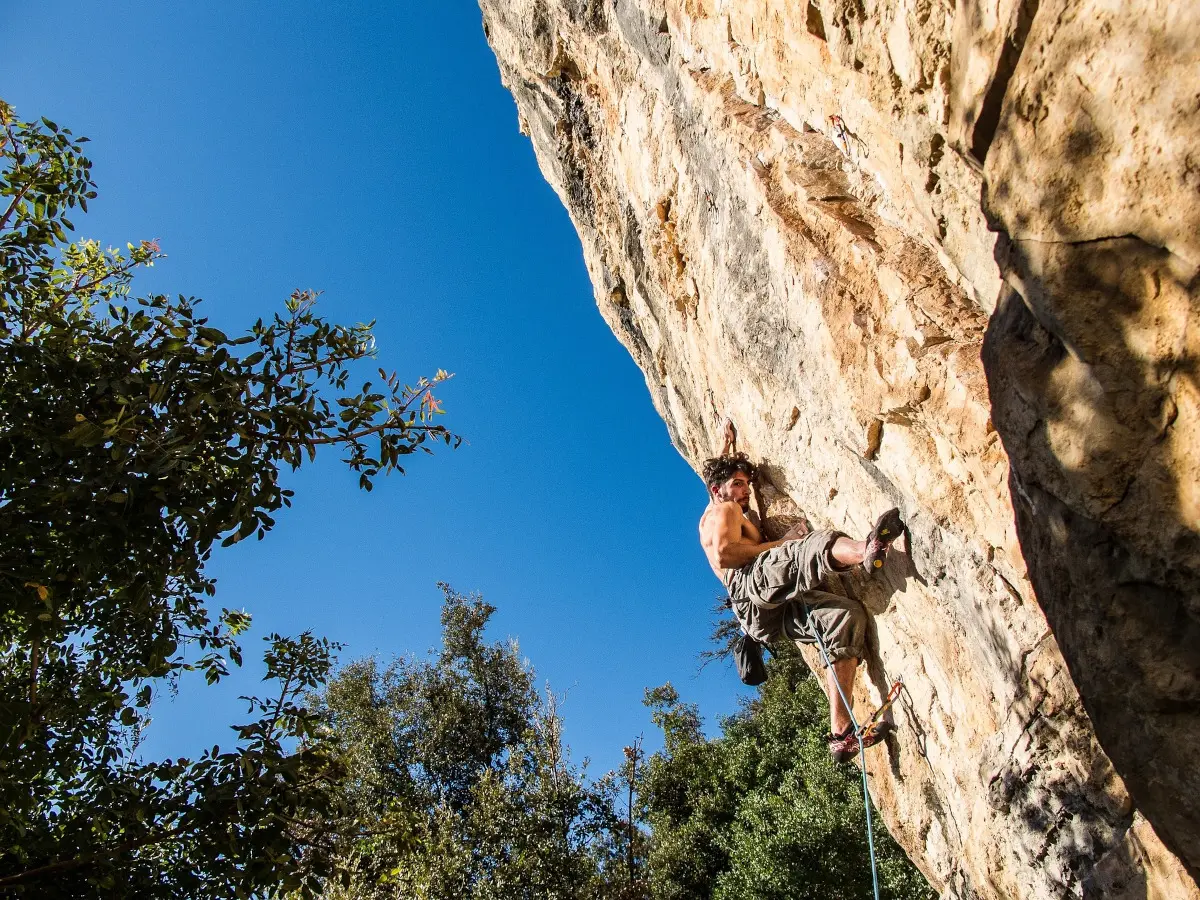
{"points": [[843, 224]]}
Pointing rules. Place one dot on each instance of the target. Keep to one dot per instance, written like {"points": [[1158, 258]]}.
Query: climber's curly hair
{"points": [[720, 469]]}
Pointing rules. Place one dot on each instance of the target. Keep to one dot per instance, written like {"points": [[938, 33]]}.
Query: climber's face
{"points": [[737, 489]]}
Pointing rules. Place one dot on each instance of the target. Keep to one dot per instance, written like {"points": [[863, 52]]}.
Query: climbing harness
{"points": [[860, 731]]}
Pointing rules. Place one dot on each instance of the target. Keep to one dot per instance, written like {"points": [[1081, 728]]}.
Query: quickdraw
{"points": [[872, 724]]}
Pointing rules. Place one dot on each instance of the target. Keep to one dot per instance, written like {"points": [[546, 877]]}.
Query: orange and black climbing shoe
{"points": [[844, 746], [887, 528]]}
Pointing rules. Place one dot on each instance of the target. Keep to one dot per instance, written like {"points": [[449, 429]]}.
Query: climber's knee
{"points": [[841, 622]]}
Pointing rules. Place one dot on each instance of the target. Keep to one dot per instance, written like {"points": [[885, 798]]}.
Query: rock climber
{"points": [[771, 582]]}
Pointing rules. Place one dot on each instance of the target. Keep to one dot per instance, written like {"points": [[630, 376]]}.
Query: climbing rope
{"points": [[860, 731]]}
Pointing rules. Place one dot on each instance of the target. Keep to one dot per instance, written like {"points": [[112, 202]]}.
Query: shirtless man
{"points": [[768, 579]]}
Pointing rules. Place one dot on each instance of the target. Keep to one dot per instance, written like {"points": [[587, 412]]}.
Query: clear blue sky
{"points": [[368, 150]]}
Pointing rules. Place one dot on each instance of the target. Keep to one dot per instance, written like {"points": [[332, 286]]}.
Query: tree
{"points": [[623, 847], [460, 785], [134, 436], [762, 811]]}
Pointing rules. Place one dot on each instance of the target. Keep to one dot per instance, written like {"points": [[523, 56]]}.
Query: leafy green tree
{"points": [[134, 437], [762, 811], [459, 785]]}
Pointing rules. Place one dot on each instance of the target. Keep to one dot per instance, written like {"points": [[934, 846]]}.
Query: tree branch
{"points": [[16, 200], [375, 429], [24, 190], [122, 269], [287, 683], [35, 656], [308, 367], [61, 299], [66, 865]]}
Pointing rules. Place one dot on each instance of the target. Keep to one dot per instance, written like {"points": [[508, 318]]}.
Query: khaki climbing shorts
{"points": [[770, 594]]}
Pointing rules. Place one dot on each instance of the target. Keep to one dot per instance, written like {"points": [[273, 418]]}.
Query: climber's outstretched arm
{"points": [[730, 445]]}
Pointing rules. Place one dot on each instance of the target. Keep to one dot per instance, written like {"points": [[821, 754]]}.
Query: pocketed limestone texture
{"points": [[942, 256]]}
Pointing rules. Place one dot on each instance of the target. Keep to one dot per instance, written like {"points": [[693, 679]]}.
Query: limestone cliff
{"points": [[940, 255]]}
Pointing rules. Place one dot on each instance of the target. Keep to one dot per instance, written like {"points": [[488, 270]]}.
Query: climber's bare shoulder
{"points": [[723, 524]]}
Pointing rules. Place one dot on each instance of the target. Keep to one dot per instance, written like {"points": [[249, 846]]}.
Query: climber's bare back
{"points": [[725, 520]]}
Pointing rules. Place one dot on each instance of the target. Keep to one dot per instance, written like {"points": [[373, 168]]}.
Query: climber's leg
{"points": [[776, 576], [841, 621], [841, 744], [840, 674], [842, 624], [831, 550], [847, 553], [887, 528]]}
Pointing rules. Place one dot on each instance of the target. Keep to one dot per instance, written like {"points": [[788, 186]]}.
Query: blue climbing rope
{"points": [[858, 731]]}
